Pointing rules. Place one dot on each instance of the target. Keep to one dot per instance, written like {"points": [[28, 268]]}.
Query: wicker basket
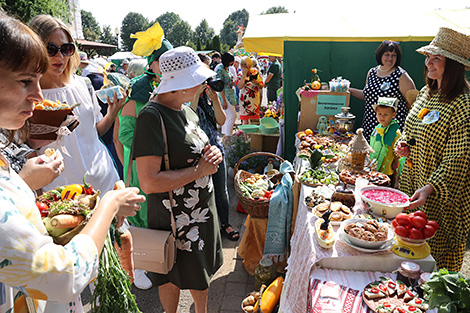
{"points": [[256, 208]]}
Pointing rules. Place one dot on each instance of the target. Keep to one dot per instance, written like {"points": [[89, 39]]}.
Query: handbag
{"points": [[154, 250]]}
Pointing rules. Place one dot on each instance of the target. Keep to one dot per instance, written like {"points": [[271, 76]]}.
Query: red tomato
{"points": [[412, 308], [415, 233], [417, 221], [395, 223], [418, 301], [421, 213], [43, 208], [433, 224], [401, 231], [403, 219], [411, 215], [400, 310], [428, 231]]}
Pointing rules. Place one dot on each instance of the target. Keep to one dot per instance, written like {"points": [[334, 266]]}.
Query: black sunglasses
{"points": [[67, 49], [388, 42]]}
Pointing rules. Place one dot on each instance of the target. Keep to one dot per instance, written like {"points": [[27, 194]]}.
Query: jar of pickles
{"points": [[265, 273]]}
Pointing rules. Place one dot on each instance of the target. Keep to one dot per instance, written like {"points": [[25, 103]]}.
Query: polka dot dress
{"points": [[382, 87]]}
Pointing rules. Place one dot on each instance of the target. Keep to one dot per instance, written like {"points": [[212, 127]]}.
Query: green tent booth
{"points": [[347, 50]]}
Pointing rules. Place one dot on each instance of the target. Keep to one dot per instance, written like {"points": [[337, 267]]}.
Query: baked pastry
{"points": [[349, 176], [356, 232], [336, 217], [368, 236], [380, 236], [336, 206]]}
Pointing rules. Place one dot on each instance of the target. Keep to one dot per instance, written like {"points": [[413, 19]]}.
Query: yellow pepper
{"points": [[71, 191]]}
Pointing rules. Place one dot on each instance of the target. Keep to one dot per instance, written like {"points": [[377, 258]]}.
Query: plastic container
{"points": [[248, 128], [109, 92]]}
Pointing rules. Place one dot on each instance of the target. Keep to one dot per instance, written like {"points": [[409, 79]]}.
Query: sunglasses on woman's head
{"points": [[388, 42], [67, 49]]}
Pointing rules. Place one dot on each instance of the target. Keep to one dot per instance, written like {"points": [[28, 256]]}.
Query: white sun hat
{"points": [[181, 69]]}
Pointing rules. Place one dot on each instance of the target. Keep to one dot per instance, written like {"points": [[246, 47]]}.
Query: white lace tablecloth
{"points": [[306, 253]]}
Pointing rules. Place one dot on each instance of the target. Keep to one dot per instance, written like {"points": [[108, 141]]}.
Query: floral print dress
{"points": [[199, 248], [30, 263]]}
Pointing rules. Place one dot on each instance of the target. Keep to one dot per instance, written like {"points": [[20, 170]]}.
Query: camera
{"points": [[215, 84]]}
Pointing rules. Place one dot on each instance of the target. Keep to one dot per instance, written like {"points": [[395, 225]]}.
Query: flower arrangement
{"points": [[237, 147], [273, 109]]}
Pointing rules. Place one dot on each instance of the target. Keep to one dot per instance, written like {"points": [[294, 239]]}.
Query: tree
{"points": [[107, 36], [208, 45], [131, 24], [191, 45], [204, 32], [198, 44], [275, 10], [228, 33], [25, 10], [216, 44], [180, 34], [90, 27], [167, 21]]}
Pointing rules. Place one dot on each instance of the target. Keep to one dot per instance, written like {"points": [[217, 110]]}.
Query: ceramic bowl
{"points": [[389, 211], [363, 243]]}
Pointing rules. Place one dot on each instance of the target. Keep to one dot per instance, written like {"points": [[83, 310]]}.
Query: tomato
{"points": [[386, 304], [418, 221], [395, 223], [383, 288], [428, 231], [412, 308], [374, 290], [401, 231], [400, 310], [415, 233], [403, 219], [421, 213], [43, 208], [433, 224], [418, 301], [392, 285]]}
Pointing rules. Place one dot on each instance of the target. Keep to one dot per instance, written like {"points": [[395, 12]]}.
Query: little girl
{"points": [[250, 85]]}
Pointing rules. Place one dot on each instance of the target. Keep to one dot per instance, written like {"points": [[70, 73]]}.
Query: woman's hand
{"points": [[37, 173], [125, 201], [212, 94], [402, 149], [115, 105], [209, 163], [419, 197]]}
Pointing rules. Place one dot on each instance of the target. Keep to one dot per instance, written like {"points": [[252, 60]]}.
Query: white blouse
{"points": [[86, 151], [30, 263]]}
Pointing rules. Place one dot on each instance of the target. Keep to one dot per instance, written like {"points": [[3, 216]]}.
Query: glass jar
{"points": [[265, 273], [344, 195], [409, 273]]}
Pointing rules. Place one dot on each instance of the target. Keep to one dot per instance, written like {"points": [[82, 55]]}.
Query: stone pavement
{"points": [[228, 287]]}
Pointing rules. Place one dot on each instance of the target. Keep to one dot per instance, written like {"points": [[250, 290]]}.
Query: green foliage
{"points": [[204, 32], [131, 24], [208, 45], [275, 10], [25, 10], [180, 34], [91, 28], [216, 44], [198, 44], [167, 21], [448, 291], [108, 36], [237, 147], [228, 33], [191, 45]]}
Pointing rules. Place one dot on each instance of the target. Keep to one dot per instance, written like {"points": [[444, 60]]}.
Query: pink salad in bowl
{"points": [[385, 196], [384, 201]]}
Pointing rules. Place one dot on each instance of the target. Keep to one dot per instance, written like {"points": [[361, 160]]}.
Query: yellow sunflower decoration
{"points": [[148, 41]]}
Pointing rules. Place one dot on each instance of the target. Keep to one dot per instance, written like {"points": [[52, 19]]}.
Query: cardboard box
{"points": [[316, 103]]}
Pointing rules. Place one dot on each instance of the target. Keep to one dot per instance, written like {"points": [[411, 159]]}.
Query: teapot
{"points": [[344, 121]]}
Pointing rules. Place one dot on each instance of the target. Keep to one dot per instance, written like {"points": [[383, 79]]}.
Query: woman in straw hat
{"points": [[192, 160], [436, 141]]}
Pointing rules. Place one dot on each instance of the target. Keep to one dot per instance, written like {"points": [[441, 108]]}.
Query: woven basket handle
{"points": [[271, 155]]}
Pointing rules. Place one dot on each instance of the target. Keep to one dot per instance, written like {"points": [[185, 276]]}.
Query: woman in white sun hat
{"points": [[192, 160], [436, 141]]}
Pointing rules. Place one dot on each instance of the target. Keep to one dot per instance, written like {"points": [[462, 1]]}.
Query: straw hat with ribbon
{"points": [[451, 44]]}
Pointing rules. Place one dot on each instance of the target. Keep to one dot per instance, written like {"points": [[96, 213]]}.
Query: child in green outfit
{"points": [[384, 136]]}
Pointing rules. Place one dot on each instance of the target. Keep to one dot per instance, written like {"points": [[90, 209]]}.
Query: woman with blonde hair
{"points": [[84, 150], [35, 272]]}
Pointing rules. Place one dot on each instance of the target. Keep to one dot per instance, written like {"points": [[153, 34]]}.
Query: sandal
{"points": [[233, 235]]}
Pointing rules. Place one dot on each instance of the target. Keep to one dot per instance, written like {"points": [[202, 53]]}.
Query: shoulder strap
{"points": [[167, 167]]}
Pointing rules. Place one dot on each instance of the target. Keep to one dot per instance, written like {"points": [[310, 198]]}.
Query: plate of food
{"points": [[385, 247], [339, 212], [369, 234], [349, 176], [387, 295]]}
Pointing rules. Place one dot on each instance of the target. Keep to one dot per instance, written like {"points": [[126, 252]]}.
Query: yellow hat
{"points": [[247, 60]]}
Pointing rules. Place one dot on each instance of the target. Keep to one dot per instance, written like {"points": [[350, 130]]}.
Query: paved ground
{"points": [[228, 287]]}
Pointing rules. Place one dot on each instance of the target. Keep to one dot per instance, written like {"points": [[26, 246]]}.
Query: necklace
{"points": [[379, 68]]}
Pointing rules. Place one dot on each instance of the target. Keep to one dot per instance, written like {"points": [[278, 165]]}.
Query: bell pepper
{"points": [[87, 188], [71, 191]]}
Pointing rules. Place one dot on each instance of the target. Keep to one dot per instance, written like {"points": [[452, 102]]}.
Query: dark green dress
{"points": [[199, 253]]}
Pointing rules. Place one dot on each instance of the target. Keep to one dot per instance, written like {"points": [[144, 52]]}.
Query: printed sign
{"points": [[330, 104]]}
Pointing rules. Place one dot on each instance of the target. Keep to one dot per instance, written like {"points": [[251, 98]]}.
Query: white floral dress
{"points": [[199, 253], [30, 263]]}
